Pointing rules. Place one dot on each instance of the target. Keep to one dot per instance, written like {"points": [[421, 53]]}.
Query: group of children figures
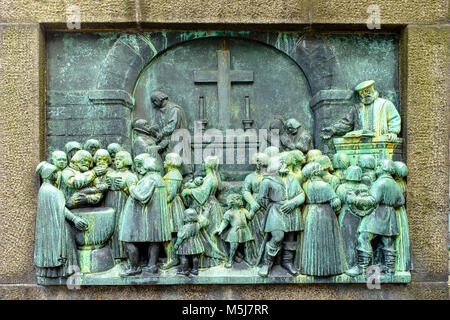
{"points": [[312, 215]]}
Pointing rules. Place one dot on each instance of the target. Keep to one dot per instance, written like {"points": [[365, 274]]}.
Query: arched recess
{"points": [[277, 85], [131, 52]]}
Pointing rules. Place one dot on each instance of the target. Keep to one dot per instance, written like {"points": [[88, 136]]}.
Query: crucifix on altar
{"points": [[224, 77]]}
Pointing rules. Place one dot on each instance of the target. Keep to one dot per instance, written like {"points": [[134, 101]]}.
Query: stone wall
{"points": [[423, 30]]}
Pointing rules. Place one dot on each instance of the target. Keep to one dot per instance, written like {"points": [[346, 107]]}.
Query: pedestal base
{"points": [[96, 260], [379, 147], [241, 273]]}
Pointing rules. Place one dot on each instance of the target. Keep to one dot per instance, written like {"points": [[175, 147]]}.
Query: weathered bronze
{"points": [[147, 210]]}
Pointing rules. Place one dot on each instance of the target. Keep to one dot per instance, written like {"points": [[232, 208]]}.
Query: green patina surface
{"points": [[300, 64], [98, 83]]}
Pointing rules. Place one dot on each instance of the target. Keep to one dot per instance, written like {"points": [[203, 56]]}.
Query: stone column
{"points": [[425, 82], [81, 115], [328, 106], [22, 123]]}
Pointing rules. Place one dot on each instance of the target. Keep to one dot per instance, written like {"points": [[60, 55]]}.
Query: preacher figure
{"points": [[373, 114], [169, 118]]}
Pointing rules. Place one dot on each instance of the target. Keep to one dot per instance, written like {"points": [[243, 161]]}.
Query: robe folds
{"points": [[191, 244], [117, 199], [350, 216], [404, 261], [174, 181], [146, 216], [383, 220], [210, 218], [380, 117], [274, 192], [55, 251], [323, 246], [250, 190]]}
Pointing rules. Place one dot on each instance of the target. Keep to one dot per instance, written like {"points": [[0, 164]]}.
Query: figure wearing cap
{"points": [[373, 114], [295, 137], [92, 145], [55, 253], [71, 148]]}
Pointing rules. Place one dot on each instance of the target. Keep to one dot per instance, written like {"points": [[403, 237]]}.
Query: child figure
{"points": [[189, 245], [239, 232], [195, 183], [367, 163]]}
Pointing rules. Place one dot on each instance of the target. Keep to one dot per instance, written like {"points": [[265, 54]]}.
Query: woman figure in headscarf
{"points": [[323, 246], [55, 253], [119, 181], [210, 212]]}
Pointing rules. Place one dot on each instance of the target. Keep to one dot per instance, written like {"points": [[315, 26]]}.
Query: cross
{"points": [[224, 76]]}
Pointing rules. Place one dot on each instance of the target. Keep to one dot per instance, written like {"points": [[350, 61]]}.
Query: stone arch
{"points": [[131, 53]]}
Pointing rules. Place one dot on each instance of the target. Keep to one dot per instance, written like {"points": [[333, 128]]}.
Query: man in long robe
{"points": [[169, 118], [281, 194], [55, 253]]}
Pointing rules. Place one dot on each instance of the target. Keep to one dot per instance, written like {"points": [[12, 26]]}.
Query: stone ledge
{"points": [[240, 274], [427, 290], [392, 12]]}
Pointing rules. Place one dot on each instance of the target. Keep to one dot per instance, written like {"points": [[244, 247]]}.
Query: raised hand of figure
{"points": [[335, 204], [392, 137], [99, 171], [119, 183], [287, 207], [186, 192], [327, 133], [109, 182], [81, 224], [255, 206], [217, 232]]}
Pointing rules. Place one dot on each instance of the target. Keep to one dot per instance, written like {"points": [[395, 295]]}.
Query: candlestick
{"points": [[201, 106], [247, 107]]}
